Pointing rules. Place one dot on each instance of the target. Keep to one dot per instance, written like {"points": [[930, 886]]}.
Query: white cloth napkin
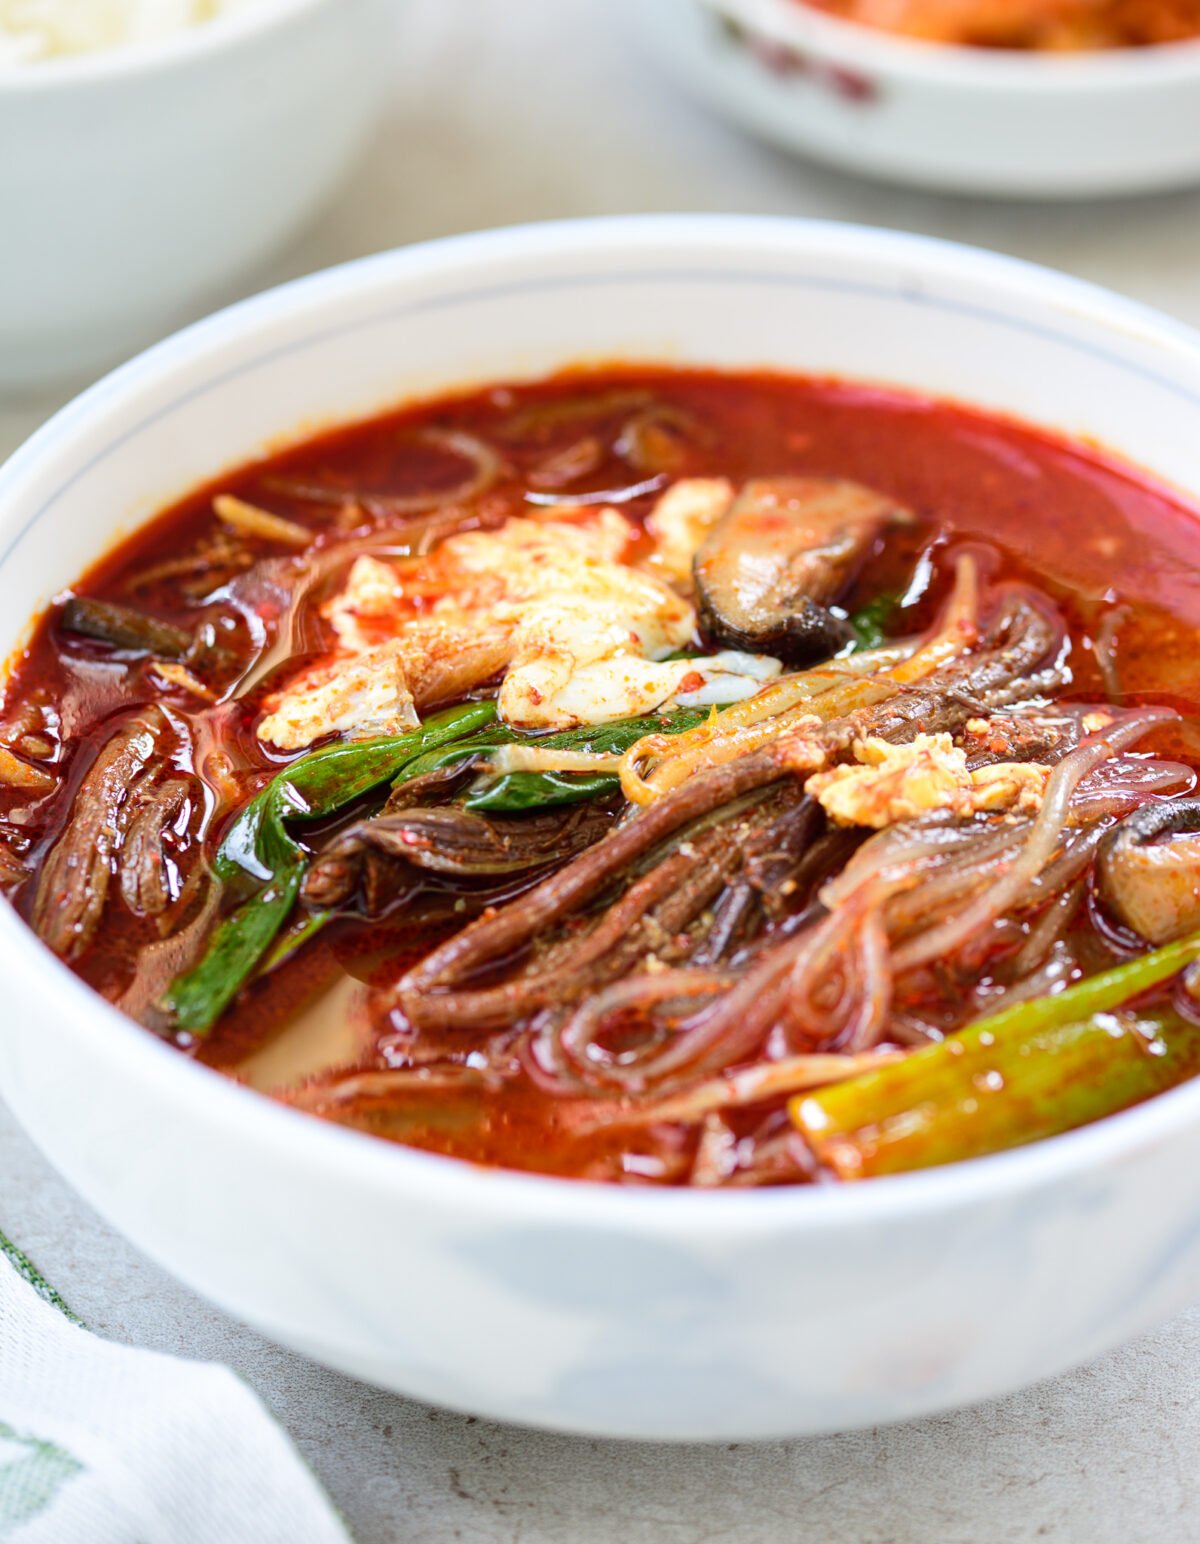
{"points": [[104, 1444]]}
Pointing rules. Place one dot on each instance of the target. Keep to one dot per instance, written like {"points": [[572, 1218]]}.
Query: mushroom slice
{"points": [[1148, 868], [786, 550]]}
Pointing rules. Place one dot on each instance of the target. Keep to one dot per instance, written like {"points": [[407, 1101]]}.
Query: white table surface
{"points": [[511, 110]]}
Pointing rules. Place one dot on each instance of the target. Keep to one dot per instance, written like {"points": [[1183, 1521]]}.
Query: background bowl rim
{"points": [[124, 62], [795, 24], [392, 1169]]}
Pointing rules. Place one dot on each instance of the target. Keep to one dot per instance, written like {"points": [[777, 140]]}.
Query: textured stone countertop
{"points": [[532, 109]]}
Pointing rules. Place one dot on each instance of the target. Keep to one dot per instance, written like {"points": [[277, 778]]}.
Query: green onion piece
{"points": [[1029, 1071], [304, 927], [339, 774], [258, 846], [514, 792], [518, 792], [197, 999], [1097, 994], [461, 750], [326, 780], [872, 624]]}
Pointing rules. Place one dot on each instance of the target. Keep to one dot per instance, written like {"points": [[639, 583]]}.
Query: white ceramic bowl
{"points": [[137, 181], [967, 120], [594, 1309]]}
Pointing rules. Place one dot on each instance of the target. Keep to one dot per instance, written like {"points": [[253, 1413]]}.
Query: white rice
{"points": [[44, 29]]}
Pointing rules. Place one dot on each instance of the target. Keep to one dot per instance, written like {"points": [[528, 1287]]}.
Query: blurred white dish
{"points": [[969, 120], [138, 180], [623, 1311]]}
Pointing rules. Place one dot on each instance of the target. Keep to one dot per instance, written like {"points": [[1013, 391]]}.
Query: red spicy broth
{"points": [[318, 1023]]}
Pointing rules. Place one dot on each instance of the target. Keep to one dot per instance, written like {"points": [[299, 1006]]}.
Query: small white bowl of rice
{"points": [[152, 152]]}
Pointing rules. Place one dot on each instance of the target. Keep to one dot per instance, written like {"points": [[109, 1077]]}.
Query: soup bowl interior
{"points": [[575, 1306]]}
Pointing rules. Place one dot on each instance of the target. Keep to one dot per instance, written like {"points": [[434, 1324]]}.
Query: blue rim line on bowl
{"points": [[634, 276]]}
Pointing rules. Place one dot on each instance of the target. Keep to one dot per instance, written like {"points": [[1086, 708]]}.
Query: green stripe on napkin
{"points": [[29, 1272]]}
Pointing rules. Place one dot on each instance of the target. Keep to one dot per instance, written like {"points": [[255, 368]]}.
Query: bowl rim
{"points": [[796, 24], [123, 62], [391, 1169]]}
